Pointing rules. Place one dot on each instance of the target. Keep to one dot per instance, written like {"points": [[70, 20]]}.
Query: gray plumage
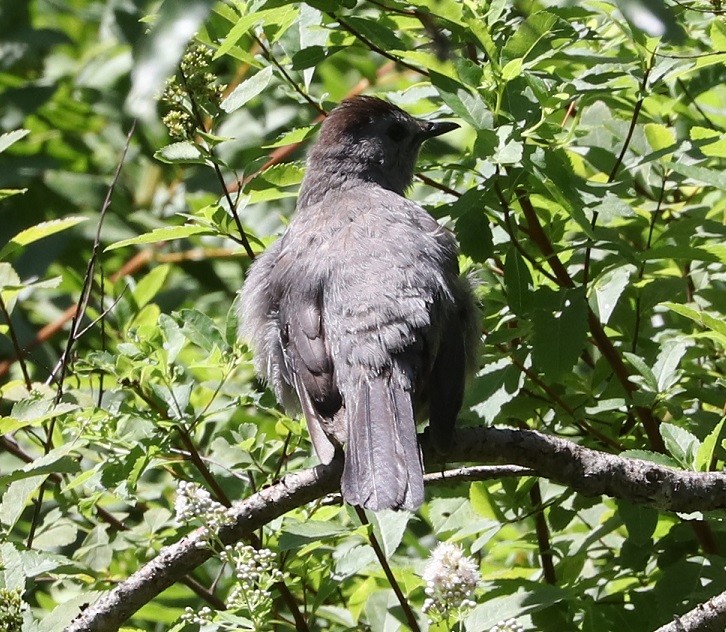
{"points": [[358, 313]]}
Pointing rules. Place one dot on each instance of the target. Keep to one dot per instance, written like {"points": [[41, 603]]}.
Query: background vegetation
{"points": [[586, 187]]}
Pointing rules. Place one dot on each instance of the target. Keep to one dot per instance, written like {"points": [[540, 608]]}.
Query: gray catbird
{"points": [[358, 312]]}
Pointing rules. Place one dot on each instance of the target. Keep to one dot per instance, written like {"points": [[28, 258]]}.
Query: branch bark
{"points": [[586, 471], [705, 617]]}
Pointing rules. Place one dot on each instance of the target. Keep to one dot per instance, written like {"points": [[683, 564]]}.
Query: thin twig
{"points": [[405, 606], [543, 535], [377, 49], [75, 326], [16, 345], [641, 271], [619, 160], [218, 172]]}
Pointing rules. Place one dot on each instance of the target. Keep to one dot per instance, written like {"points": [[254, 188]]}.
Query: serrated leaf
{"points": [[464, 103], [284, 175], [643, 369], [39, 231], [475, 235], [650, 457], [530, 32], [247, 90], [281, 17], [6, 193], [659, 136], [560, 328], [530, 597], [710, 142], [640, 521], [609, 288], [296, 535], [702, 318], [161, 234], [391, 526], [201, 330], [665, 368], [292, 137], [704, 455], [184, 152], [150, 285], [9, 138], [681, 444], [518, 282], [713, 177]]}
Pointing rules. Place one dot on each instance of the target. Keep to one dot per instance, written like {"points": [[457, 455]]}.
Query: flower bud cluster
{"points": [[198, 617], [510, 625], [194, 503], [451, 579], [196, 89], [11, 610]]}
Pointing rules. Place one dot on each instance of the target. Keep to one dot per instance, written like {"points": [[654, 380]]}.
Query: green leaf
{"points": [[518, 282], [297, 535], [710, 142], [529, 597], [6, 193], [16, 497], [717, 325], [650, 457], [162, 234], [284, 175], [9, 138], [464, 103], [39, 231], [704, 455], [681, 444], [608, 289], [713, 177], [641, 367], [560, 329], [640, 521], [292, 137], [529, 34], [659, 136], [280, 17], [247, 90], [148, 287], [390, 528], [475, 235], [665, 368], [201, 330], [184, 152]]}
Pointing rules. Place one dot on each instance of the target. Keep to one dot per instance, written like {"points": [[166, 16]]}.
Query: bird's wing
{"points": [[311, 366], [446, 384]]}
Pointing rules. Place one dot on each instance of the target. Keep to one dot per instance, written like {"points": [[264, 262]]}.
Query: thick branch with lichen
{"points": [[586, 471]]}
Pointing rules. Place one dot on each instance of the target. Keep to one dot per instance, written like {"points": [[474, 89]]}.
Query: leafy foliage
{"points": [[586, 188]]}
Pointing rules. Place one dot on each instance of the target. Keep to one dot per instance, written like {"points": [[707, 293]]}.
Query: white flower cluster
{"points": [[191, 616], [451, 578], [256, 573], [193, 502], [510, 625]]}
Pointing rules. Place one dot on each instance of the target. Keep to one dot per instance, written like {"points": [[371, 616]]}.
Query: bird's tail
{"points": [[383, 467]]}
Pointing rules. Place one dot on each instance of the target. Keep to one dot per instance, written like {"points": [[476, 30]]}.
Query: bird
{"points": [[358, 315]]}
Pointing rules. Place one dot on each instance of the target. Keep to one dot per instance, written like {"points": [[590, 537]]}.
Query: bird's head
{"points": [[368, 139]]}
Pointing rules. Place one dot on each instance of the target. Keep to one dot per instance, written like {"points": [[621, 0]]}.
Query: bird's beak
{"points": [[429, 129]]}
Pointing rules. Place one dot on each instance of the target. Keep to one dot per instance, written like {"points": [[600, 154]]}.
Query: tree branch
{"points": [[705, 617], [116, 606], [586, 471]]}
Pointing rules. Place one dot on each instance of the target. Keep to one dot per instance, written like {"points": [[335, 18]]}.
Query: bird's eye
{"points": [[396, 132]]}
